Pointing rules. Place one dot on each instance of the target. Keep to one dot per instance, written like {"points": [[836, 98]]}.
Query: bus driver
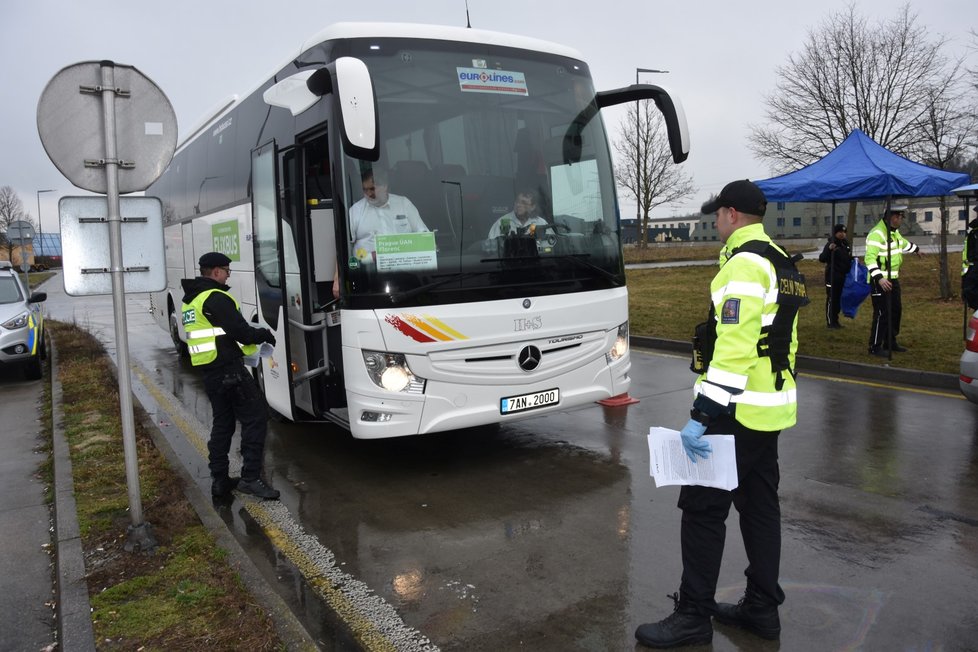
{"points": [[380, 213]]}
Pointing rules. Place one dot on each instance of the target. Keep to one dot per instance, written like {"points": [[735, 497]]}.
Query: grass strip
{"points": [[669, 302], [185, 596]]}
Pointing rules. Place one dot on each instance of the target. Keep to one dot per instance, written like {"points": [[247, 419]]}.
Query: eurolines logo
{"points": [[476, 80], [486, 77]]}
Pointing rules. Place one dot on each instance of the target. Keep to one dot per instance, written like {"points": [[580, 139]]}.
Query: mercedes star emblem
{"points": [[529, 358]]}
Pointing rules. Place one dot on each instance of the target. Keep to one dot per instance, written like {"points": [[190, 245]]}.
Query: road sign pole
{"points": [[139, 534]]}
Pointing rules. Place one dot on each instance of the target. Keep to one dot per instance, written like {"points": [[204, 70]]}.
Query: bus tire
{"points": [[179, 345]]}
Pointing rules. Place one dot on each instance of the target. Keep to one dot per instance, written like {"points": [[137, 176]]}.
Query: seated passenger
{"points": [[520, 219], [380, 213]]}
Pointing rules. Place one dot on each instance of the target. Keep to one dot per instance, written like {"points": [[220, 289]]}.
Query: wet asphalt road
{"points": [[548, 534]]}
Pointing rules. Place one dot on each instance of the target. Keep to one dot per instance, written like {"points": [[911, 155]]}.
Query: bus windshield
{"points": [[471, 198]]}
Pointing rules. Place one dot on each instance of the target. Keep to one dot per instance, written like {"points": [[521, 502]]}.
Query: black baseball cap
{"points": [[742, 195], [213, 259]]}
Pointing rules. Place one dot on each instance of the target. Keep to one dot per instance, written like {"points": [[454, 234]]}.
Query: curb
{"points": [[75, 631], [916, 377]]}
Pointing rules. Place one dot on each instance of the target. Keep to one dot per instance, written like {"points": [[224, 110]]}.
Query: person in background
{"points": [[885, 246], [218, 338], [746, 388], [837, 256], [520, 219], [380, 212], [969, 268]]}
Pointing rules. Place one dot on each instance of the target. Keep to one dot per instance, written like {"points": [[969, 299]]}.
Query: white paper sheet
{"points": [[668, 463], [264, 351]]}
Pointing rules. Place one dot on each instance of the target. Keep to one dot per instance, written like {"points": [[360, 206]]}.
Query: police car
{"points": [[968, 378], [21, 324]]}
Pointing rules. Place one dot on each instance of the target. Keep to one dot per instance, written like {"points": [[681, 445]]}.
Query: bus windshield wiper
{"points": [[413, 292], [579, 259]]}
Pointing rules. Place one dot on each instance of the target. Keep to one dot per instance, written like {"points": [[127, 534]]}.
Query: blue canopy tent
{"points": [[860, 168]]}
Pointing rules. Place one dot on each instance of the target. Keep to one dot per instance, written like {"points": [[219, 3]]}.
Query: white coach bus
{"points": [[437, 330]]}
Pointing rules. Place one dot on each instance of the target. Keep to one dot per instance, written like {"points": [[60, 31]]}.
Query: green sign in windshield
{"points": [[406, 251]]}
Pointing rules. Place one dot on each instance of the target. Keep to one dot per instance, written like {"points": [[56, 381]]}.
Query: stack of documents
{"points": [[669, 464]]}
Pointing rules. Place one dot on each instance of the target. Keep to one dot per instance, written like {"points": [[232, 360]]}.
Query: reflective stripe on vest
{"points": [[201, 334]]}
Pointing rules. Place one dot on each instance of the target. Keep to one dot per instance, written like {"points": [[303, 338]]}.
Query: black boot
{"points": [[685, 626], [258, 488], [222, 486], [755, 617]]}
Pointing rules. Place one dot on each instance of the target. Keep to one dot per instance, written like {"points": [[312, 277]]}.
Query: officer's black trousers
{"points": [[705, 511], [886, 314], [833, 300], [235, 397]]}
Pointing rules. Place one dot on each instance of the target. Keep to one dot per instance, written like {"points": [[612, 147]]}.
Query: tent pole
{"points": [[889, 277]]}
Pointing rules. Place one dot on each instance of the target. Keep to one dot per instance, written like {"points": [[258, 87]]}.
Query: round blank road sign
{"points": [[70, 120]]}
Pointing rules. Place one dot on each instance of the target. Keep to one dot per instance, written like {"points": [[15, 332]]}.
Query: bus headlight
{"points": [[390, 371], [620, 347]]}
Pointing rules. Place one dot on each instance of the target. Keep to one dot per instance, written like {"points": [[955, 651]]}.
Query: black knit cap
{"points": [[838, 227], [213, 259], [742, 195]]}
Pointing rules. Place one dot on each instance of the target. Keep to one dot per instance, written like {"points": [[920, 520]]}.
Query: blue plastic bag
{"points": [[856, 288]]}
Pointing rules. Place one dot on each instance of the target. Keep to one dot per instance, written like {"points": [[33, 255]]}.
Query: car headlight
{"points": [[620, 348], [390, 371], [20, 321]]}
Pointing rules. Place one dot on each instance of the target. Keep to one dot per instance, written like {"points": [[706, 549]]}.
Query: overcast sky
{"points": [[721, 56]]}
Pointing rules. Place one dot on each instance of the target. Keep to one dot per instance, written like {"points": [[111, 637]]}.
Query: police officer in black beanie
{"points": [[837, 256]]}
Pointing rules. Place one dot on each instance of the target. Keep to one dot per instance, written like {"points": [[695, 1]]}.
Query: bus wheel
{"points": [[178, 344]]}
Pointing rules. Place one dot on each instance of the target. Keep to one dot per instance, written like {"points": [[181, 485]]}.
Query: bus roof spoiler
{"points": [[348, 80], [670, 106]]}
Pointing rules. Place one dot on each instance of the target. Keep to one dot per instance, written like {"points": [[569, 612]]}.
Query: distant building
{"points": [[815, 219], [671, 229]]}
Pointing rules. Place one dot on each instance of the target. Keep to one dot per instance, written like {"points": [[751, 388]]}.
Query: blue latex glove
{"points": [[692, 444]]}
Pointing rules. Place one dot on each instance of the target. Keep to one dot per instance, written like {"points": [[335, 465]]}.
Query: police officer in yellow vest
{"points": [[746, 387], [218, 337], [885, 247], [969, 264]]}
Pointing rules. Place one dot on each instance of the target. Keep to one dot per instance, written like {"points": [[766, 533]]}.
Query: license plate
{"points": [[532, 401]]}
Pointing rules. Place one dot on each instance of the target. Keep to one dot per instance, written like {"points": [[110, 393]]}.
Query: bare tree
{"points": [[11, 210], [947, 128], [879, 78], [888, 79], [645, 168]]}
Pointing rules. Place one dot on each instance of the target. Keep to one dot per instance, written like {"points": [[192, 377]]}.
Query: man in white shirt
{"points": [[519, 220], [380, 213]]}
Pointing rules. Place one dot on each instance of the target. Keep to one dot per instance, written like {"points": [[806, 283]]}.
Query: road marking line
{"points": [[371, 619], [866, 383], [375, 623], [183, 424], [928, 392]]}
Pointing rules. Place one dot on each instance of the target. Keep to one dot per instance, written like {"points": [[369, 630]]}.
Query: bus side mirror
{"points": [[669, 105], [348, 80]]}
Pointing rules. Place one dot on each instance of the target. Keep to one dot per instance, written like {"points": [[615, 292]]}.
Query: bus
{"points": [[435, 329]]}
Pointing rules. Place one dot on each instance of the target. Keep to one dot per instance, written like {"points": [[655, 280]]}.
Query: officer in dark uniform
{"points": [[218, 338], [837, 256]]}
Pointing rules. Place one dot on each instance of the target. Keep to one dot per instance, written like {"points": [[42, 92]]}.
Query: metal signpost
{"points": [[109, 129]]}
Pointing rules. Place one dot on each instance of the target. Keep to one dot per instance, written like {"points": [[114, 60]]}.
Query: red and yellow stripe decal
{"points": [[424, 328]]}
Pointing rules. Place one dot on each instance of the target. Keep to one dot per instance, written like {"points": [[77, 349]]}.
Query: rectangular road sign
{"points": [[85, 245]]}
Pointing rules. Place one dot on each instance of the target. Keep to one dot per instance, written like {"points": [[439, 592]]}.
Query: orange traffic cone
{"points": [[618, 401]]}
